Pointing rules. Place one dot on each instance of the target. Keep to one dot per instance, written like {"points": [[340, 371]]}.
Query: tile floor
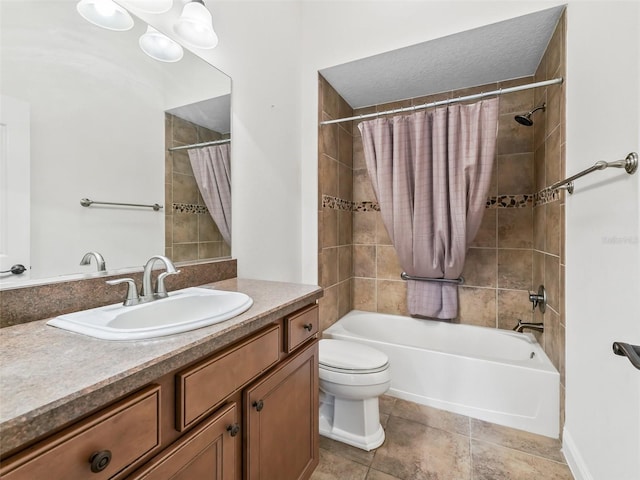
{"points": [[431, 444]]}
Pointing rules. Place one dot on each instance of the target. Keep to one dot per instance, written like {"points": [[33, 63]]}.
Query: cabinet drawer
{"points": [[126, 431], [202, 387], [301, 326]]}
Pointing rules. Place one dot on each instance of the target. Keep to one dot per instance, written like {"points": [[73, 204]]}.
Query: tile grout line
{"points": [[519, 451]]}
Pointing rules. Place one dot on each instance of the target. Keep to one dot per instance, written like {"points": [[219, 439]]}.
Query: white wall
{"points": [[602, 430], [260, 49]]}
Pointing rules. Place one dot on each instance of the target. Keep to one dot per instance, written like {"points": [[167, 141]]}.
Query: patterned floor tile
{"points": [[413, 451], [492, 462]]}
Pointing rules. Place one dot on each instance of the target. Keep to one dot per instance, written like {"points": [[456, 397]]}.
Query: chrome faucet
{"points": [[538, 327], [147, 294], [100, 263]]}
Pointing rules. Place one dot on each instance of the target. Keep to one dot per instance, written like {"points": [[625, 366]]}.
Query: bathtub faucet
{"points": [[539, 327]]}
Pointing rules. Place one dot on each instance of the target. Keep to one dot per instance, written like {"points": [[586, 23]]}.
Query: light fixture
{"points": [[195, 27], [159, 46], [152, 6], [105, 14]]}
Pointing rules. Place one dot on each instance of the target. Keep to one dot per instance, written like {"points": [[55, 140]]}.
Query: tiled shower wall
{"points": [[549, 219], [335, 180], [511, 255], [190, 232]]}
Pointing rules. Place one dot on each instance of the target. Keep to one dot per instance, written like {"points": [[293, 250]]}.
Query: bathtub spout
{"points": [[521, 326]]}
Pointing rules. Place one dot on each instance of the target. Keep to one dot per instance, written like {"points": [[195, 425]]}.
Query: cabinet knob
{"points": [[233, 429], [308, 327], [100, 460], [258, 405]]}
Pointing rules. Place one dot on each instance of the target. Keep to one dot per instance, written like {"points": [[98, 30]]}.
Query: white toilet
{"points": [[352, 377]]}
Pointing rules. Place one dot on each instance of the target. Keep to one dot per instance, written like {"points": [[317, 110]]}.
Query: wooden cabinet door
{"points": [[281, 420], [206, 453]]}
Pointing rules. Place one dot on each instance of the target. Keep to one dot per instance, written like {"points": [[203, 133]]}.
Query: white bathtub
{"points": [[495, 375]]}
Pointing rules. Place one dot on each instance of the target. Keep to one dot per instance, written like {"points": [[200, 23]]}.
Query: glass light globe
{"points": [[105, 14], [159, 46], [195, 27]]}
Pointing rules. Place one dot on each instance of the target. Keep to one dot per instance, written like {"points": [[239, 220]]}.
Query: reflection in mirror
{"points": [[93, 116], [196, 226]]}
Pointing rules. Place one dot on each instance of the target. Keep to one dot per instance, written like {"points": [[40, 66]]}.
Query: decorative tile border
{"points": [[366, 207], [509, 201], [501, 201], [335, 203], [189, 208], [545, 196]]}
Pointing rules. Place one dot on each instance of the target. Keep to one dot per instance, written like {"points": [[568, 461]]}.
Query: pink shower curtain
{"points": [[431, 172], [212, 169]]}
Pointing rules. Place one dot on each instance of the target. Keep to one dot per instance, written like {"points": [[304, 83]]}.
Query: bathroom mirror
{"points": [[95, 107]]}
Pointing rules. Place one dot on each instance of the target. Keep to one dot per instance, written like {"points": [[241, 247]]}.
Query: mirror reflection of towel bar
{"points": [[406, 276], [85, 202]]}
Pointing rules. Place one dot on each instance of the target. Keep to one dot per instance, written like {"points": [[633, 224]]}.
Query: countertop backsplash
{"points": [[36, 302]]}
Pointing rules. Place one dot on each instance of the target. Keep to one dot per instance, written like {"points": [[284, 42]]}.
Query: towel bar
{"points": [[406, 276], [85, 202]]}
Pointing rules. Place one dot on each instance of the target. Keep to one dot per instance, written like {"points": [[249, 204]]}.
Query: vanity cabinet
{"points": [[282, 420], [248, 411], [206, 453]]}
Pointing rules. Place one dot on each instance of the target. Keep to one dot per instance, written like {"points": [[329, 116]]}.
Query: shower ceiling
{"points": [[500, 51]]}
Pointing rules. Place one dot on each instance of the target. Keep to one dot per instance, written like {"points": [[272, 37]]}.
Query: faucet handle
{"points": [[539, 299], [161, 290], [132, 291]]}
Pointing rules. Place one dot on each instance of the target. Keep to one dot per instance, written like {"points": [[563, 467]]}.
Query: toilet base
{"points": [[354, 422]]}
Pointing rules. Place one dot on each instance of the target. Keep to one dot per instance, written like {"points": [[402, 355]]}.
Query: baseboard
{"points": [[574, 459]]}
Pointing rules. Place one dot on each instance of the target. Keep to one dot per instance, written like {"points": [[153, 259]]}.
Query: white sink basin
{"points": [[182, 311]]}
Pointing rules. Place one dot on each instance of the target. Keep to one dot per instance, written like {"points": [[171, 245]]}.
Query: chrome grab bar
{"points": [[85, 202], [406, 276], [630, 165], [632, 352]]}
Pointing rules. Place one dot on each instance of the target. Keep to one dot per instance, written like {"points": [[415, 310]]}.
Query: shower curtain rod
{"points": [[199, 145], [500, 91]]}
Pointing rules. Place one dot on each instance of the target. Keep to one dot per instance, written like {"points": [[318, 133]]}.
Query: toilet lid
{"points": [[342, 355]]}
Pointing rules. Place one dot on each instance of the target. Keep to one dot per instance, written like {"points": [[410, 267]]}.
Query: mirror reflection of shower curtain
{"points": [[212, 169], [431, 172]]}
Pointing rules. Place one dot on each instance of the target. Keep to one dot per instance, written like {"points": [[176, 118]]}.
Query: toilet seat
{"points": [[354, 379], [342, 356], [354, 371]]}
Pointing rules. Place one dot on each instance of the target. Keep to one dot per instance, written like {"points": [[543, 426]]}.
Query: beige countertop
{"points": [[50, 377]]}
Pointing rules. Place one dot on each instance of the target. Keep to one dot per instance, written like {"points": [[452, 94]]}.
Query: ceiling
{"points": [[213, 113], [497, 52]]}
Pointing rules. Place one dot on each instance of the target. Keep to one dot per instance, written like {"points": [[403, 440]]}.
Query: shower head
{"points": [[526, 118]]}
